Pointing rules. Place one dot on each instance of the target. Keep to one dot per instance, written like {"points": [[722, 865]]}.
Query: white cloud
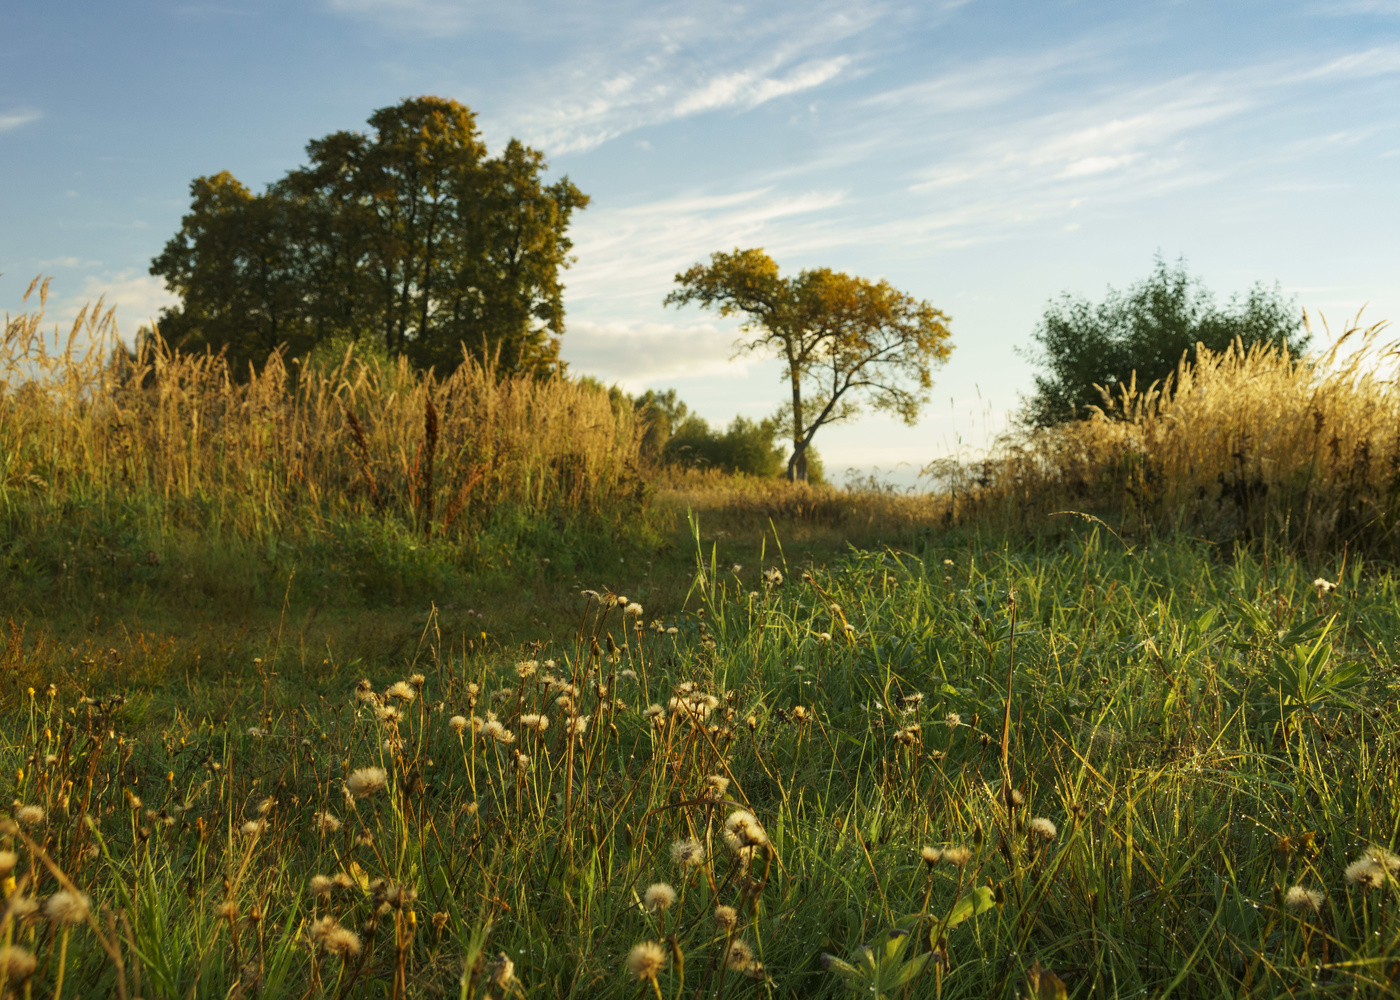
{"points": [[636, 355], [138, 298], [17, 118]]}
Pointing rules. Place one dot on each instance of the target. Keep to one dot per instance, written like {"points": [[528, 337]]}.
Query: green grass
{"points": [[1188, 719]]}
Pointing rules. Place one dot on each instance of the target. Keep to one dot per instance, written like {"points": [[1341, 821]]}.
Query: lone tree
{"points": [[1146, 331], [410, 234], [841, 339]]}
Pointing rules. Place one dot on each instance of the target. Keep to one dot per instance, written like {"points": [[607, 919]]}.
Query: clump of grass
{"points": [[1243, 445]]}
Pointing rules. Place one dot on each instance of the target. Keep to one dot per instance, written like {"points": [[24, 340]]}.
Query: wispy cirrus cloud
{"points": [[18, 117], [647, 63]]}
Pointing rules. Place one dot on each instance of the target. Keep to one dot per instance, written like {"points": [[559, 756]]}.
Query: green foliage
{"points": [[1144, 333], [411, 236], [747, 446], [840, 338]]}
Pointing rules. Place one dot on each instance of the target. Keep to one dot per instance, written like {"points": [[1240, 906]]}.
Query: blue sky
{"points": [[984, 156]]}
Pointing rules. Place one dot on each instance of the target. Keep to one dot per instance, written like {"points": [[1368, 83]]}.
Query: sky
{"points": [[986, 157]]}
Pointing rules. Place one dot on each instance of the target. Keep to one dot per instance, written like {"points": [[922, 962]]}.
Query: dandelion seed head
{"points": [[367, 781], [645, 960], [689, 853], [18, 963], [931, 855], [1299, 898], [458, 723], [1042, 827], [402, 690], [65, 907], [957, 856], [30, 816], [659, 897], [726, 916]]}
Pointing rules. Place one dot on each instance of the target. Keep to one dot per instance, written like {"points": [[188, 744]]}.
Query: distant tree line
{"points": [[411, 235]]}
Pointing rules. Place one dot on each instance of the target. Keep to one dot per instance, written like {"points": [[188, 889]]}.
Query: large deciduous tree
{"points": [[1086, 349], [843, 340], [410, 233]]}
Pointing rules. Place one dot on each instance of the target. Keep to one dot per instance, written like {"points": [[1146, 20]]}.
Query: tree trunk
{"points": [[797, 464]]}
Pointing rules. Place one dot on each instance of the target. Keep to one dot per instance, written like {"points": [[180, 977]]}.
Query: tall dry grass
{"points": [[1244, 444], [290, 448]]}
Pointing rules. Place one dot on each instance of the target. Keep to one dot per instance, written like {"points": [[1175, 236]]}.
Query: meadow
{"points": [[343, 681]]}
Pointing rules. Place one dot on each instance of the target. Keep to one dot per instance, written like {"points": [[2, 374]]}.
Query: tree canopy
{"points": [[411, 234], [1146, 331], [843, 340]]}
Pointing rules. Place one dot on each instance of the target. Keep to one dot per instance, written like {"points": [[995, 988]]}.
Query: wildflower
{"points": [[417, 680], [645, 960], [521, 761], [736, 568], [954, 720], [254, 827], [401, 690], [66, 907], [715, 788], [16, 964], [773, 577], [1042, 827], [526, 668], [227, 910], [326, 822], [8, 860], [688, 853], [30, 816], [493, 730], [931, 855], [320, 885], [634, 609], [907, 736], [21, 906], [1299, 898], [342, 881], [799, 712], [1015, 799], [366, 781], [957, 856], [947, 562], [1323, 586], [535, 723], [265, 806], [1385, 860], [577, 726], [257, 733], [658, 897], [672, 630], [726, 917], [364, 839], [458, 724], [824, 636], [628, 675], [388, 714], [441, 920]]}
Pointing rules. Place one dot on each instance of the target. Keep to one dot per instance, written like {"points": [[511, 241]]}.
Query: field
{"points": [[294, 711]]}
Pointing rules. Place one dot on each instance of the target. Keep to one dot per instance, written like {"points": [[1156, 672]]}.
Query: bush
{"points": [[1141, 336]]}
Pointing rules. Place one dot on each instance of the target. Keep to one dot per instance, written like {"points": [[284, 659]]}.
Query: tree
{"points": [[1146, 331], [411, 234], [841, 339]]}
